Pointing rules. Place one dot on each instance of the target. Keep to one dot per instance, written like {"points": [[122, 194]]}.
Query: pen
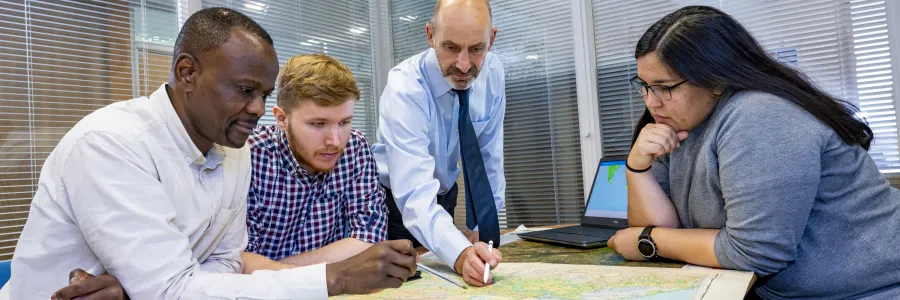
{"points": [[487, 266]]}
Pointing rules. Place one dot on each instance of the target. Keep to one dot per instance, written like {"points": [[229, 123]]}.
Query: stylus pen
{"points": [[487, 266]]}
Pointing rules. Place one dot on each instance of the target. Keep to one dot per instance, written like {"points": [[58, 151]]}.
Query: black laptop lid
{"points": [[608, 202]]}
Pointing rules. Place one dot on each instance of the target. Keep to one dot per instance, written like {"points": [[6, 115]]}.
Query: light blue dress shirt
{"points": [[418, 144]]}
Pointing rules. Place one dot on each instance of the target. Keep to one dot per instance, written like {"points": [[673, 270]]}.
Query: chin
{"points": [[668, 122], [235, 140], [235, 144], [459, 85], [325, 166], [462, 85]]}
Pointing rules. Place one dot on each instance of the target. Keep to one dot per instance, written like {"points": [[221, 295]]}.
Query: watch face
{"points": [[647, 248]]}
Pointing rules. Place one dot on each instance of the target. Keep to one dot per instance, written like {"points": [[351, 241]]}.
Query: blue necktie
{"points": [[480, 207]]}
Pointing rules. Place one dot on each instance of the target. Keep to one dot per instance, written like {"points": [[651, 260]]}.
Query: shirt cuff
{"points": [[366, 236], [449, 248], [308, 282], [720, 249]]}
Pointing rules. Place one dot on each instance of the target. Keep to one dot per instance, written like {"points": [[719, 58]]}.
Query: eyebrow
{"points": [[250, 81], [255, 84], [326, 119], [661, 81]]}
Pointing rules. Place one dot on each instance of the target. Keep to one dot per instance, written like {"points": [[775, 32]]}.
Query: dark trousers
{"points": [[396, 230]]}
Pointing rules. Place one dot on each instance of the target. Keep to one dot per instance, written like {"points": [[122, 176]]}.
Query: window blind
{"points": [[339, 28], [408, 19], [542, 142], [155, 31], [842, 45], [59, 61]]}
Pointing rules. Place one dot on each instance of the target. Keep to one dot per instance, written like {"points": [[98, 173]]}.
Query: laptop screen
{"points": [[609, 195]]}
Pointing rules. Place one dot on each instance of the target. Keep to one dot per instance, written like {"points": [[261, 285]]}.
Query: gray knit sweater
{"points": [[809, 214]]}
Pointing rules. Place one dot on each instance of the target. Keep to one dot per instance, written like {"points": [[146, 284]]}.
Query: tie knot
{"points": [[463, 96]]}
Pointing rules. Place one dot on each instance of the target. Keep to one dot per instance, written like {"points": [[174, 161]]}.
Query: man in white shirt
{"points": [[439, 107], [129, 191]]}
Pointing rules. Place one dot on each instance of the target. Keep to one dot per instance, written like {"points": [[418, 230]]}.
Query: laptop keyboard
{"points": [[600, 232]]}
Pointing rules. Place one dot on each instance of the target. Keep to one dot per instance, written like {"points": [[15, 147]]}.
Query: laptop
{"points": [[606, 211]]}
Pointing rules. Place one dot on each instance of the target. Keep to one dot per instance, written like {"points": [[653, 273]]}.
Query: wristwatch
{"points": [[646, 245]]}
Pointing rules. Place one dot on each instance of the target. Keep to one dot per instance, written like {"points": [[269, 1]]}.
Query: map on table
{"points": [[560, 281]]}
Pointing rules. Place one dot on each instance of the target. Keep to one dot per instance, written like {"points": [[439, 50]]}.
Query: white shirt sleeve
{"points": [[491, 141], [226, 257], [412, 175], [128, 220]]}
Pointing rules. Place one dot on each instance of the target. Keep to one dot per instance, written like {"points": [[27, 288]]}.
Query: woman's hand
{"points": [[625, 242], [654, 141]]}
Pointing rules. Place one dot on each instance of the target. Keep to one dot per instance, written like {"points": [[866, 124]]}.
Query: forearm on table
{"points": [[693, 246], [253, 262], [331, 253], [647, 203]]}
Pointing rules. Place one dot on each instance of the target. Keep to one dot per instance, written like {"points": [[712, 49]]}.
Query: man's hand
{"points": [[384, 265], [89, 287], [472, 236], [470, 263]]}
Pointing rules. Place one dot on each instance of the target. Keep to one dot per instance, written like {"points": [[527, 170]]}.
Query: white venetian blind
{"points": [[338, 28], [842, 45], [542, 144], [59, 61], [408, 19]]}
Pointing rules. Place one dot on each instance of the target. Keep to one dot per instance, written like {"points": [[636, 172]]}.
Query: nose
{"points": [[462, 62], [257, 107], [652, 100], [333, 136]]}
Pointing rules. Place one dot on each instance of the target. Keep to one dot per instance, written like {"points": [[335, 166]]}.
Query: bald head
{"points": [[465, 36], [478, 10]]}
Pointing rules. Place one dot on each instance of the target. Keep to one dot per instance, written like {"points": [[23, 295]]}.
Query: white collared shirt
{"points": [[418, 148], [126, 191]]}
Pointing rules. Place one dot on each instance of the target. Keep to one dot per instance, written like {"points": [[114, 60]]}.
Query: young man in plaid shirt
{"points": [[314, 195]]}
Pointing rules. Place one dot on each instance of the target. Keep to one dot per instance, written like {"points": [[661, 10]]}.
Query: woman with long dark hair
{"points": [[741, 163]]}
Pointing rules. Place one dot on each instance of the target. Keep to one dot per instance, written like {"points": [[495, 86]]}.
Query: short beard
{"points": [[296, 150], [473, 71]]}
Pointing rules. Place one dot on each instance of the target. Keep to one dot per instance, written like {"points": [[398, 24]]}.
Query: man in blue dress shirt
{"points": [[439, 107]]}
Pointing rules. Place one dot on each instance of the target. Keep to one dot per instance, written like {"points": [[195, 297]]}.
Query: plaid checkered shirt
{"points": [[290, 211]]}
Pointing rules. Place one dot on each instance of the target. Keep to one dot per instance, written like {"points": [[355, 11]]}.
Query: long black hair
{"points": [[711, 50]]}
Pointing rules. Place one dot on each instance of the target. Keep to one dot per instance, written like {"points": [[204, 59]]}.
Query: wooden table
{"points": [[528, 251], [422, 250]]}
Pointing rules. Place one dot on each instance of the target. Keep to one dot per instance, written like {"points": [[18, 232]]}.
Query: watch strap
{"points": [[645, 236]]}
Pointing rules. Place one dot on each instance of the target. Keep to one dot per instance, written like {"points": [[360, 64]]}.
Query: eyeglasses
{"points": [[661, 91]]}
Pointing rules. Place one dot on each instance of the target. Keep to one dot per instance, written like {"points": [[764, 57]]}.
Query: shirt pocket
{"points": [[480, 126], [479, 130], [214, 237]]}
